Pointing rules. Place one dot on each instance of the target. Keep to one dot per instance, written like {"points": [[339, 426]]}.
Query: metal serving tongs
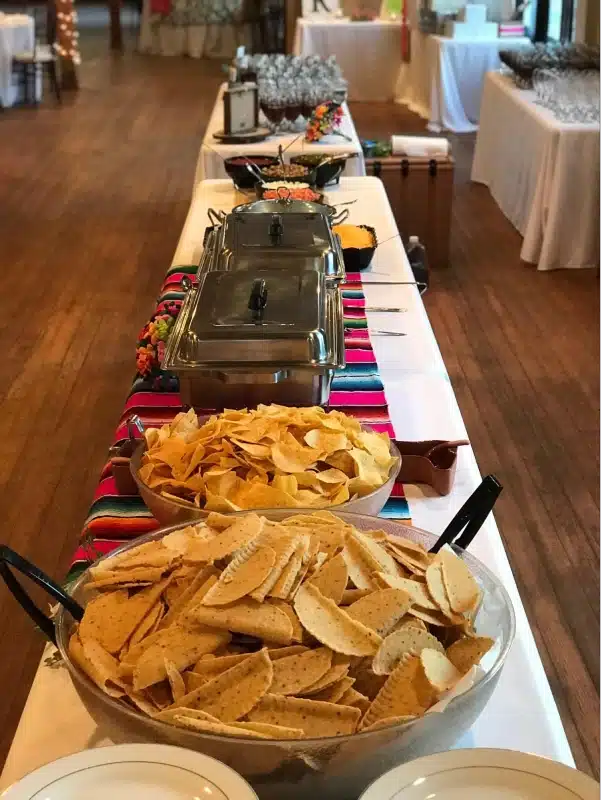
{"points": [[254, 170], [471, 516], [10, 560]]}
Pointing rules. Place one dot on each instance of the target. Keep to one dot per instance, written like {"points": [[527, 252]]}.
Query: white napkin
{"points": [[421, 146]]}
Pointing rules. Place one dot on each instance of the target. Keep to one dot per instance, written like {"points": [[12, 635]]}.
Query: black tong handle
{"points": [[470, 516], [8, 559]]}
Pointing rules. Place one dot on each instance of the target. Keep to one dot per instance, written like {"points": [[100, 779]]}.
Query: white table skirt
{"points": [[443, 83], [16, 35], [369, 53], [543, 174], [197, 41], [521, 714], [212, 152]]}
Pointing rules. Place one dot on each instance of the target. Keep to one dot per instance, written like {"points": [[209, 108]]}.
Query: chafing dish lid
{"points": [[261, 316], [293, 231], [285, 207]]}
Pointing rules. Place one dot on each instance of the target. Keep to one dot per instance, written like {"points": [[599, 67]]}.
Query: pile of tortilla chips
{"points": [[306, 628], [270, 457]]}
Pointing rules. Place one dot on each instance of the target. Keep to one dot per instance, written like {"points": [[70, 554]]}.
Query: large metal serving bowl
{"points": [[334, 768], [170, 512]]}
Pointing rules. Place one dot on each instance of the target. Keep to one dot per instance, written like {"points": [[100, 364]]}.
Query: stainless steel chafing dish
{"points": [[264, 335], [289, 241]]}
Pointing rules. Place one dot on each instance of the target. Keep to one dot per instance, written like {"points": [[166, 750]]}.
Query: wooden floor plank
{"points": [[93, 198]]}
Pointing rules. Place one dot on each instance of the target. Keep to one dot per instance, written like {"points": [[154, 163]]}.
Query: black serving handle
{"points": [[466, 523], [258, 299], [10, 560]]}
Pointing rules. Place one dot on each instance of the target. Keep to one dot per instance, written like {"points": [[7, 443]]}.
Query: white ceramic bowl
{"points": [[171, 512]]}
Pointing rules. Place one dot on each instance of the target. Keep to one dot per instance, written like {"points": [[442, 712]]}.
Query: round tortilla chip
{"points": [[245, 573], [400, 643], [440, 672]]}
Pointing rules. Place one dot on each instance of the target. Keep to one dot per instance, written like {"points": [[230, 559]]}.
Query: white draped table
{"points": [[212, 152], [369, 53], [160, 37], [543, 174], [16, 36], [521, 714], [443, 82]]}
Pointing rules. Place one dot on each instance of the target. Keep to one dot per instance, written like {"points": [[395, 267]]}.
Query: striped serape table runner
{"points": [[356, 390]]}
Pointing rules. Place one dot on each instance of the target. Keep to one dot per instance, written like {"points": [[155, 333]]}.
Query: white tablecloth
{"points": [[369, 53], [443, 82], [521, 714], [543, 174], [212, 152], [197, 41], [16, 35]]}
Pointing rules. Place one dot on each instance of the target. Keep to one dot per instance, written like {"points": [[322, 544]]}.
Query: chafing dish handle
{"points": [[258, 298], [276, 229], [215, 217], [8, 558]]}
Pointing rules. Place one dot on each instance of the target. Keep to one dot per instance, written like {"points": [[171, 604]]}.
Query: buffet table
{"points": [[369, 53], [212, 152], [522, 714], [443, 82], [16, 35], [543, 174]]}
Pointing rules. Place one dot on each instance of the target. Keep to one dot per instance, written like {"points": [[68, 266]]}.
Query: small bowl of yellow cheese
{"points": [[358, 244]]}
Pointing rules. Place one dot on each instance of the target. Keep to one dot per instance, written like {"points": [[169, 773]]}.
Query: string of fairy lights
{"points": [[67, 44]]}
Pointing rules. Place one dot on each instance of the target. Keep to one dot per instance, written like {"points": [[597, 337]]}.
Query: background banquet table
{"points": [[190, 30], [443, 82], [212, 152], [543, 174], [16, 35], [369, 53], [521, 714]]}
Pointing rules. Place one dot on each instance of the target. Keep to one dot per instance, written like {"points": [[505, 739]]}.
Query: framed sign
{"points": [[241, 108], [321, 8]]}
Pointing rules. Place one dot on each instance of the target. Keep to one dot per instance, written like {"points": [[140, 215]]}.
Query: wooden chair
{"points": [[39, 61]]}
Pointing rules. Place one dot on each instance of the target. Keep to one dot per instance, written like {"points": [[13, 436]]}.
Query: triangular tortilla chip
{"points": [[332, 578], [234, 693], [315, 718], [263, 620], [381, 610], [294, 673], [180, 645]]}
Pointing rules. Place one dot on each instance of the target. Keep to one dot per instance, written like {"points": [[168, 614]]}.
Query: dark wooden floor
{"points": [[92, 200]]}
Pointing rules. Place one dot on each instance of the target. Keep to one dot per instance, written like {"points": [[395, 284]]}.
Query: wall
{"points": [[587, 21]]}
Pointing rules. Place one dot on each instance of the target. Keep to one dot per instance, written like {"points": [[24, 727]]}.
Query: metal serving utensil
{"points": [[381, 309], [466, 523]]}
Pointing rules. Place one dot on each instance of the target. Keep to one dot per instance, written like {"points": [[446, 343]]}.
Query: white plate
{"points": [[133, 772], [481, 774]]}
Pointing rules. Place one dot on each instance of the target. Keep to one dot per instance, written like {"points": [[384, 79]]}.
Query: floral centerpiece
{"points": [[324, 120], [152, 339]]}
